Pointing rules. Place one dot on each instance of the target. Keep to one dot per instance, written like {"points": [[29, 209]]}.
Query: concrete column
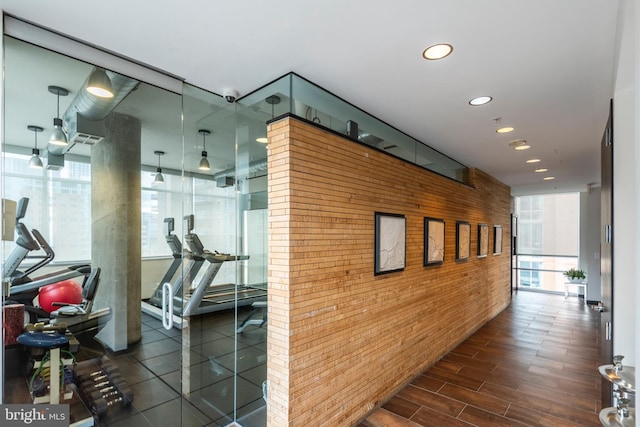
{"points": [[116, 228]]}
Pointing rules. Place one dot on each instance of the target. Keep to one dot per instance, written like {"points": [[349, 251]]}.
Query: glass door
{"points": [[224, 293]]}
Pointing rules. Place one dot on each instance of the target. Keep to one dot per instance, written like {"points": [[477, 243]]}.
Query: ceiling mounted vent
{"points": [[85, 138], [55, 161], [85, 131]]}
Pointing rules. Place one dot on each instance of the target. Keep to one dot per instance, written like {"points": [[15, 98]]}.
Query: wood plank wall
{"points": [[341, 340]]}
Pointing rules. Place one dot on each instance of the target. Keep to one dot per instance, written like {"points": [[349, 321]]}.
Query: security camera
{"points": [[230, 95]]}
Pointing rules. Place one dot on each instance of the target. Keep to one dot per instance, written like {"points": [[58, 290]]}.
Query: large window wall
{"points": [[57, 196], [547, 240]]}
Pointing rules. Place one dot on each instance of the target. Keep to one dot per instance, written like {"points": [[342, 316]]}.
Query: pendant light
{"points": [[35, 161], [99, 84], [57, 136], [272, 100], [159, 179], [204, 162]]}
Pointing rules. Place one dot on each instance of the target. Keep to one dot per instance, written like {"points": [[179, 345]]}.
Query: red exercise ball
{"points": [[67, 291]]}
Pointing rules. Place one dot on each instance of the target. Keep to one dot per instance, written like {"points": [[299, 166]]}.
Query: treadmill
{"points": [[204, 297], [153, 306]]}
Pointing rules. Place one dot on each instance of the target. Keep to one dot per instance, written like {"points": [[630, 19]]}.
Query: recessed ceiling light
{"points": [[437, 51], [505, 130], [549, 178], [481, 100], [533, 160], [519, 144], [262, 140], [541, 170]]}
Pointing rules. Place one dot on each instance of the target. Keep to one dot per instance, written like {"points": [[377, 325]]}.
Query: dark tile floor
{"points": [[152, 369], [535, 364]]}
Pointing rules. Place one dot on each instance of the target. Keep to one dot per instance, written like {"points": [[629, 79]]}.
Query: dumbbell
{"points": [[106, 392], [93, 372], [96, 376], [60, 328], [124, 398], [103, 389], [89, 386]]}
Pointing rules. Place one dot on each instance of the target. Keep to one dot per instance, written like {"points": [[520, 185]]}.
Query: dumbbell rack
{"points": [[101, 386], [623, 379]]}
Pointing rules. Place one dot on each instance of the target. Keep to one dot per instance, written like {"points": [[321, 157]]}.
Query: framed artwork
{"points": [[390, 243], [463, 240], [483, 240], [497, 239], [433, 241]]}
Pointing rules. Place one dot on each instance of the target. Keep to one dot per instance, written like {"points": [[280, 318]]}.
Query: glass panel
{"points": [[251, 196], [223, 379], [94, 204], [295, 95]]}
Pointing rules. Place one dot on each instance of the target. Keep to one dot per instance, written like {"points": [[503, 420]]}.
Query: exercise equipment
{"points": [[51, 341], [203, 297], [66, 291], [192, 264], [25, 243], [81, 319], [102, 386], [23, 288]]}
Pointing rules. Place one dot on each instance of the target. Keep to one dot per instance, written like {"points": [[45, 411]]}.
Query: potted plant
{"points": [[574, 275]]}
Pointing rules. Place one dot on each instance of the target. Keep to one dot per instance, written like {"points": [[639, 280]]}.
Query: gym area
{"points": [[52, 323], [134, 281]]}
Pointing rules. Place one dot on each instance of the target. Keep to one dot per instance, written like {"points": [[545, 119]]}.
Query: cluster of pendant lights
{"points": [[439, 51], [98, 84]]}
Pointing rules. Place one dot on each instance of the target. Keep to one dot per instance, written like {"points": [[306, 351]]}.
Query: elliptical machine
{"points": [[24, 289]]}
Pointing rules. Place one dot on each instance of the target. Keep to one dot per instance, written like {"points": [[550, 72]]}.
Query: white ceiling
{"points": [[548, 65]]}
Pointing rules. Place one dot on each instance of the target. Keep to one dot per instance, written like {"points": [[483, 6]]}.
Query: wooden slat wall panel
{"points": [[341, 340]]}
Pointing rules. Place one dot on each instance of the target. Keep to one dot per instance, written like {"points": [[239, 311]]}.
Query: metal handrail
{"points": [[547, 256]]}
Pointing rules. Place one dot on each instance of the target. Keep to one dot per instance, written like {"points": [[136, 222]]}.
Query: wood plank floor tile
{"points": [[579, 416], [470, 361], [430, 418], [534, 364], [453, 378], [568, 398], [449, 366], [538, 419], [482, 401], [384, 418], [538, 403], [428, 383], [478, 417], [402, 407], [432, 400]]}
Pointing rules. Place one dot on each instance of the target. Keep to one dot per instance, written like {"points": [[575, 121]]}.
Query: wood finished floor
{"points": [[535, 364]]}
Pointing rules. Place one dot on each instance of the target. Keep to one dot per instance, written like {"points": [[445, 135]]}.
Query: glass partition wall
{"points": [[139, 255]]}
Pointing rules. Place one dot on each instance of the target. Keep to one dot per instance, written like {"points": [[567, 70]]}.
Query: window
{"points": [[57, 198], [529, 276], [548, 239]]}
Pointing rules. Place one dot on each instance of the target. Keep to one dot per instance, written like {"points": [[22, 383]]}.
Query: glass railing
{"points": [[297, 96], [543, 272]]}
